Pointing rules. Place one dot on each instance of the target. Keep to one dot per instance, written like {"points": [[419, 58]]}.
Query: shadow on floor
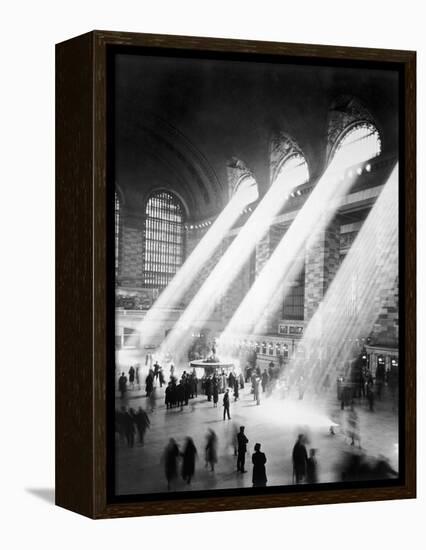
{"points": [[46, 493]]}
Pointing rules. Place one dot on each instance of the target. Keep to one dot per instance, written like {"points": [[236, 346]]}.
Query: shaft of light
{"points": [[187, 274], [283, 265], [356, 295], [235, 256]]}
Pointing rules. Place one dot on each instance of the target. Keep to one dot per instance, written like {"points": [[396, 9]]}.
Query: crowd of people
{"points": [[189, 454], [131, 424]]}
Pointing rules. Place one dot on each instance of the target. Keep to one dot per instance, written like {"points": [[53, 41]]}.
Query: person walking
{"points": [[149, 384], [142, 422], [353, 430], [189, 456], [256, 390], [215, 393], [132, 377], [226, 405], [258, 459], [312, 467], [211, 449], [208, 386], [300, 457], [122, 385], [236, 389], [241, 451], [171, 455], [129, 427], [265, 380], [152, 400]]}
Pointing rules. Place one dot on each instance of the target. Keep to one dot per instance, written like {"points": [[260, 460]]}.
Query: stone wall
{"points": [[131, 254], [321, 265]]}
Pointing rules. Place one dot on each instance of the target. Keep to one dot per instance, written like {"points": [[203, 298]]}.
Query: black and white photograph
{"points": [[257, 254]]}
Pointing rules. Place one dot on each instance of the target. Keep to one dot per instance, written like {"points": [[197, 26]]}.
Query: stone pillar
{"points": [[132, 249], [385, 331], [264, 249], [321, 265]]}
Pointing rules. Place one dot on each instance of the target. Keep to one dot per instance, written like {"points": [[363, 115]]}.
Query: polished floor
{"points": [[275, 423]]}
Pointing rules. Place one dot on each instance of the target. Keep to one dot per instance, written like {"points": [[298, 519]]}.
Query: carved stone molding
{"points": [[345, 112], [236, 170], [282, 146]]}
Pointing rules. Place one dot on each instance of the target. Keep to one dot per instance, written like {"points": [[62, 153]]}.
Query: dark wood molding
{"points": [[81, 280]]}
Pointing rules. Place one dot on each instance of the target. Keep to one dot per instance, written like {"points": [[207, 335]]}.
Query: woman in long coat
{"points": [[259, 472], [188, 465]]}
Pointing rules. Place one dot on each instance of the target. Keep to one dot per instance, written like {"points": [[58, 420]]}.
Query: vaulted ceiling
{"points": [[180, 120]]}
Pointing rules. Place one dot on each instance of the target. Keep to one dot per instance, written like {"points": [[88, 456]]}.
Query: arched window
{"points": [[293, 169], [247, 189], [117, 232], [362, 141], [164, 239]]}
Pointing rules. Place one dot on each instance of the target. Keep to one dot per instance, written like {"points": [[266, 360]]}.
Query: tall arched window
{"points": [[117, 232], [164, 239], [361, 140], [293, 169]]}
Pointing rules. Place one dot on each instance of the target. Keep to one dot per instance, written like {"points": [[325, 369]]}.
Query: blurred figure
{"points": [[180, 395], [156, 370], [226, 405], [312, 467], [189, 456], [128, 427], [171, 454], [142, 423], [138, 381], [208, 388], [236, 389], [259, 472], [300, 457], [370, 394], [161, 378], [242, 449], [256, 390], [132, 377], [357, 466], [353, 426], [119, 424], [215, 393], [380, 378], [149, 383], [168, 396], [122, 385], [233, 438], [152, 400], [383, 470], [211, 449], [301, 386], [265, 380]]}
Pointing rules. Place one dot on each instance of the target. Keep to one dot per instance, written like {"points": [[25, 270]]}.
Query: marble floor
{"points": [[275, 423]]}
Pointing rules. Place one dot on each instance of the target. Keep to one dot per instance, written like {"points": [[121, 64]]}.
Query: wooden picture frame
{"points": [[82, 319]]}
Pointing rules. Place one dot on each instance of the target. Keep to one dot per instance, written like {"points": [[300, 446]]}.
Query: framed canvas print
{"points": [[235, 274]]}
